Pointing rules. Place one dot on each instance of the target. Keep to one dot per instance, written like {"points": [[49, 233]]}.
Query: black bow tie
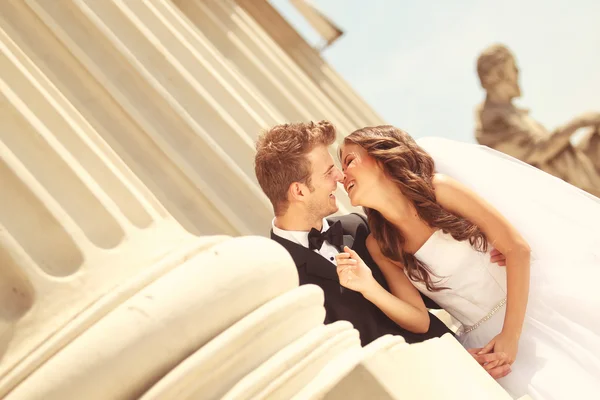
{"points": [[334, 235]]}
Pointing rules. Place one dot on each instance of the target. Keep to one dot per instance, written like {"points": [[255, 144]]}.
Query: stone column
{"points": [[325, 77], [177, 136]]}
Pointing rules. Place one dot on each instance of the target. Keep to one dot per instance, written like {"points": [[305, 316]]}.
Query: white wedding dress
{"points": [[559, 349]]}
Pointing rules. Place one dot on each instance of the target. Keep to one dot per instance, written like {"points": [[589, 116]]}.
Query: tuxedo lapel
{"points": [[348, 238], [311, 262], [348, 241], [317, 265]]}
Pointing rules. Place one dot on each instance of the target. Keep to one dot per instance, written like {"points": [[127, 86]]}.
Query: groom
{"points": [[295, 170]]}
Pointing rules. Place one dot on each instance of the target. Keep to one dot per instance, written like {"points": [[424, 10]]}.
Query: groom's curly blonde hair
{"points": [[281, 158]]}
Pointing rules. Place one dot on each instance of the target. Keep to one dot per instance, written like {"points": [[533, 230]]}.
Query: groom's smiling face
{"points": [[321, 201]]}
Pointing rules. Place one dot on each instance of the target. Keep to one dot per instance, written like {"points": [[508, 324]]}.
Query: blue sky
{"points": [[414, 61]]}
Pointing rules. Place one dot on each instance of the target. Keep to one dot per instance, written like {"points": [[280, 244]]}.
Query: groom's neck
{"points": [[294, 221]]}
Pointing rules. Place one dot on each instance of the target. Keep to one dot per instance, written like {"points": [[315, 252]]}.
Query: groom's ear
{"points": [[297, 191]]}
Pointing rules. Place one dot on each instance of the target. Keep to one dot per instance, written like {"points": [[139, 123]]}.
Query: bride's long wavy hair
{"points": [[411, 169]]}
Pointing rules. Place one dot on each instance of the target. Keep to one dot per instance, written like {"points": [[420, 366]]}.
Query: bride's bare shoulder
{"points": [[448, 187], [372, 245], [440, 180]]}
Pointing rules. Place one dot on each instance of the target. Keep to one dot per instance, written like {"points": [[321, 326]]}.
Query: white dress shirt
{"points": [[327, 250]]}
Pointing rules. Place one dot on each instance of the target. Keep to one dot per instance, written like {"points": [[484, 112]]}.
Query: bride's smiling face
{"points": [[361, 174]]}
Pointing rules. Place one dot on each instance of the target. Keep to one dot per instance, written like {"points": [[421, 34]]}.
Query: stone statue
{"points": [[506, 128]]}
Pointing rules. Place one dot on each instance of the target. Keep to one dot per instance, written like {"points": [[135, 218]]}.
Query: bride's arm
{"points": [[404, 304], [460, 200]]}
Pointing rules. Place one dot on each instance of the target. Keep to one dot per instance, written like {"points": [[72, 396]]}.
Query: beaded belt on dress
{"points": [[467, 329]]}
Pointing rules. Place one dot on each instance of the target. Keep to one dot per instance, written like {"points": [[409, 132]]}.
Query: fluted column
{"points": [[181, 141], [73, 219], [247, 46], [101, 289], [323, 75]]}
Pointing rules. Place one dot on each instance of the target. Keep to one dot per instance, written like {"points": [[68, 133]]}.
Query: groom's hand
{"points": [[497, 258], [494, 363]]}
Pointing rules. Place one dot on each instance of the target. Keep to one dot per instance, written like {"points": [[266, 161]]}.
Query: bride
{"points": [[436, 209]]}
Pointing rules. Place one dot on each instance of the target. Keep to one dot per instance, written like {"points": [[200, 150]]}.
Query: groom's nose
{"points": [[339, 177]]}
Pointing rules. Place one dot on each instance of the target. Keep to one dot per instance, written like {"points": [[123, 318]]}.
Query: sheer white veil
{"points": [[558, 220]]}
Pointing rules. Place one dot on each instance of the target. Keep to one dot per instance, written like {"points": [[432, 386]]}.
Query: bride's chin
{"points": [[358, 202]]}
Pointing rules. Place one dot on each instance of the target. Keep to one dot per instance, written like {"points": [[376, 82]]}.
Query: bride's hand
{"points": [[353, 272], [503, 343]]}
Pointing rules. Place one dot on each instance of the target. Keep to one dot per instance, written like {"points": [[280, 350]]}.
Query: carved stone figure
{"points": [[509, 129]]}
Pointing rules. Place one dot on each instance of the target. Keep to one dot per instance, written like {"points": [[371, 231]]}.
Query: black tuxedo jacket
{"points": [[347, 304]]}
